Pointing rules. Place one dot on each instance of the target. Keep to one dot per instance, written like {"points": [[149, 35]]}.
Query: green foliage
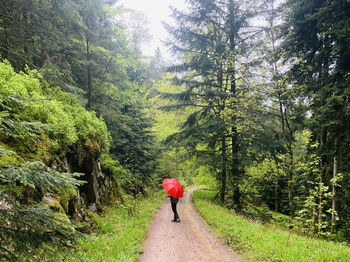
{"points": [[261, 176], [214, 45], [175, 162], [168, 166], [39, 115], [166, 122], [280, 220], [243, 95], [113, 166], [83, 49], [29, 227], [205, 177], [120, 235], [39, 177], [38, 120], [261, 213], [266, 242], [317, 41], [313, 216], [129, 183]]}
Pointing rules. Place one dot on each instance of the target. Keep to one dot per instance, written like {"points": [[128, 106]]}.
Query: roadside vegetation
{"points": [[120, 231], [259, 241]]}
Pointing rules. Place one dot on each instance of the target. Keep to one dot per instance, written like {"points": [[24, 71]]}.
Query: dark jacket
{"points": [[174, 200]]}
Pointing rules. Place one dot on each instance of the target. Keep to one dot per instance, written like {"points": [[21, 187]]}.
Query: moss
{"points": [[10, 158], [114, 195], [54, 203], [66, 196], [93, 145]]}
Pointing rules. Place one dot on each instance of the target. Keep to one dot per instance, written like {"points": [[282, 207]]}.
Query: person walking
{"points": [[175, 191], [174, 202]]}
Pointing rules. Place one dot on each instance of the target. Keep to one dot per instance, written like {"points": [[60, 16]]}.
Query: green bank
{"points": [[120, 231], [264, 242]]}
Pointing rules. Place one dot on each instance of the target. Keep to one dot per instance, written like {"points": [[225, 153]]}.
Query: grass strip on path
{"points": [[264, 242], [122, 231]]}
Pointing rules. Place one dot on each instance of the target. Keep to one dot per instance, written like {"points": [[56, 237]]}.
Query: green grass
{"points": [[264, 242], [120, 234]]}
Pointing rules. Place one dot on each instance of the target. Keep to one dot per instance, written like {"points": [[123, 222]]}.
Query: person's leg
{"points": [[173, 207], [176, 214]]}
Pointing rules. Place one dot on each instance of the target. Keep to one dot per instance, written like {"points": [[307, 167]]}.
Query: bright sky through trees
{"points": [[156, 11]]}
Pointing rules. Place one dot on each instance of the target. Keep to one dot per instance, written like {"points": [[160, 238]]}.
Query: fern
{"points": [[28, 229], [4, 151], [38, 175]]}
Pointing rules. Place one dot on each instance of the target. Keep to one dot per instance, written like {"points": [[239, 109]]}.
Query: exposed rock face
{"points": [[108, 187], [84, 160], [100, 186]]}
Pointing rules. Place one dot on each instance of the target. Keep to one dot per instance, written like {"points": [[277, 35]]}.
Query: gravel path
{"points": [[189, 240]]}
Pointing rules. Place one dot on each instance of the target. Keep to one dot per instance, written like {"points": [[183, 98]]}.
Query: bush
{"points": [[261, 213], [38, 117]]}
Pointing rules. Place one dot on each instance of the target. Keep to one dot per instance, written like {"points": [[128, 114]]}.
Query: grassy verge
{"points": [[121, 232], [264, 242]]}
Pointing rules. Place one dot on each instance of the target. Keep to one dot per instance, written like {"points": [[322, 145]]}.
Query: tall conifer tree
{"points": [[211, 40], [318, 35]]}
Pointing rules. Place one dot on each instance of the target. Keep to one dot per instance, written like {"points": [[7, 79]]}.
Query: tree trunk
{"points": [[335, 172], [290, 186], [320, 207], [323, 140], [5, 29], [276, 193], [276, 83], [223, 169], [89, 89], [234, 136], [288, 146]]}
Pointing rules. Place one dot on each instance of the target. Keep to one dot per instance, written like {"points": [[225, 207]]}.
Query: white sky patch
{"points": [[156, 11]]}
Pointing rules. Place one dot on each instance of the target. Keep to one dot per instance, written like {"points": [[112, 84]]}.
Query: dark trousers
{"points": [[173, 207]]}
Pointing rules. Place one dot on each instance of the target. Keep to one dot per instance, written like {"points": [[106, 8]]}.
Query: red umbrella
{"points": [[173, 187]]}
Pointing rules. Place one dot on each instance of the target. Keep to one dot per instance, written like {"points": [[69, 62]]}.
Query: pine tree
{"points": [[317, 32], [211, 39], [282, 93]]}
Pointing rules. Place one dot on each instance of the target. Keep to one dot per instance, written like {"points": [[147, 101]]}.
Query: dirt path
{"points": [[189, 240]]}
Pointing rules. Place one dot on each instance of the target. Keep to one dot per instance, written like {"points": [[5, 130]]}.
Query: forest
{"points": [[256, 106]]}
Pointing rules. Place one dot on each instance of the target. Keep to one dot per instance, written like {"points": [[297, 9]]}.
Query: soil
{"points": [[188, 240]]}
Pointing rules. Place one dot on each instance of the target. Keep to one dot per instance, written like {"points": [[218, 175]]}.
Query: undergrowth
{"points": [[121, 231]]}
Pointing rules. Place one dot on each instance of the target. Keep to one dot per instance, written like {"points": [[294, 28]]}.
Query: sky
{"points": [[156, 11]]}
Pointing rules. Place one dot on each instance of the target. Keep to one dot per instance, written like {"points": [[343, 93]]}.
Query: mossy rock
{"points": [[60, 216], [53, 202], [94, 146], [66, 196]]}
